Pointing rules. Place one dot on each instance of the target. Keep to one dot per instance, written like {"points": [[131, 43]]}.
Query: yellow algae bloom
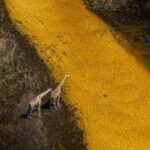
{"points": [[107, 84]]}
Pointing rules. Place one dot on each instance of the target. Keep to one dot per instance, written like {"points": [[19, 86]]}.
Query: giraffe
{"points": [[56, 93], [35, 103]]}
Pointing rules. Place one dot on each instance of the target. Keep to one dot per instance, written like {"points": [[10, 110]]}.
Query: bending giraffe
{"points": [[35, 103], [56, 93]]}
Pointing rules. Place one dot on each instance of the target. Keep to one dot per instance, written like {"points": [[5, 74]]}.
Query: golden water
{"points": [[107, 84]]}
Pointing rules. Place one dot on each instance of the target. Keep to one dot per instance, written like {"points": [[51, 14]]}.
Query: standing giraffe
{"points": [[56, 93], [35, 103]]}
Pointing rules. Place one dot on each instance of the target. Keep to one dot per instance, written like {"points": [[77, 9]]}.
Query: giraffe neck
{"points": [[44, 93], [61, 83]]}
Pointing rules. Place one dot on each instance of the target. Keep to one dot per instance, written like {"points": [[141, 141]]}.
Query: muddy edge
{"points": [[23, 75]]}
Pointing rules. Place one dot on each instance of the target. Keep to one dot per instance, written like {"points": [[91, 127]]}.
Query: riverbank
{"points": [[23, 75]]}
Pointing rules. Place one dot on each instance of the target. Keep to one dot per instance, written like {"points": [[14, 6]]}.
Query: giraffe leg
{"points": [[55, 106], [29, 111], [51, 102], [58, 102], [55, 103], [39, 110]]}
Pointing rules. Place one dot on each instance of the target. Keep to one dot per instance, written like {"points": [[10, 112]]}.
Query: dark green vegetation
{"points": [[23, 75]]}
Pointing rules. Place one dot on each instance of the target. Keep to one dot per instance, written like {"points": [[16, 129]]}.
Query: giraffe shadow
{"points": [[48, 105], [25, 114]]}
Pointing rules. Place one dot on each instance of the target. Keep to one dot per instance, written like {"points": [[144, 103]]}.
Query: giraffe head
{"points": [[67, 75]]}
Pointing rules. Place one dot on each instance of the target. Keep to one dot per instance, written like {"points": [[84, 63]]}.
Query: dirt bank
{"points": [[22, 76]]}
